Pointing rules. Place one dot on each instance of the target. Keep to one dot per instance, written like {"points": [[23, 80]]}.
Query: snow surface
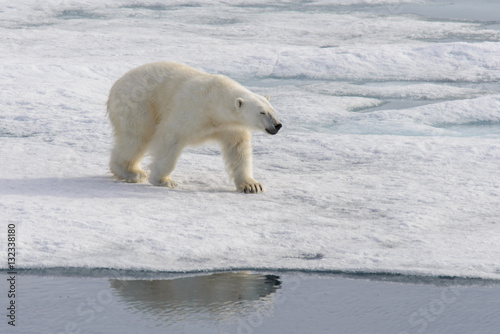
{"points": [[388, 160]]}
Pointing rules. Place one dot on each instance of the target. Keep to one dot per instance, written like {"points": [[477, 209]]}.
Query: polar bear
{"points": [[164, 107]]}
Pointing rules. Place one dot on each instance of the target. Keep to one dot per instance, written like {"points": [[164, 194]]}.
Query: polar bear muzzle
{"points": [[274, 130]]}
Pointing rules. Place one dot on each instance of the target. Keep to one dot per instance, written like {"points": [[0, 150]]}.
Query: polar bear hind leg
{"points": [[165, 150], [126, 159]]}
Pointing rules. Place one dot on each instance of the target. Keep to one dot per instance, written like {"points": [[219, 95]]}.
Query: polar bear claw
{"points": [[251, 188]]}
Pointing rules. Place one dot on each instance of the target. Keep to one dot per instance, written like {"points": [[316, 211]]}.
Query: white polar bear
{"points": [[164, 107]]}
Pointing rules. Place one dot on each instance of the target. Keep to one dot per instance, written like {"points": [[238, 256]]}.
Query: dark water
{"points": [[111, 302], [485, 11]]}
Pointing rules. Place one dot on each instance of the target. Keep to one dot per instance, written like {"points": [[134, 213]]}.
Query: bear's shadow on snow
{"points": [[102, 186]]}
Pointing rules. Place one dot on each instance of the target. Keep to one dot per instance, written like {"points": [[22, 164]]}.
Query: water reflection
{"points": [[220, 297]]}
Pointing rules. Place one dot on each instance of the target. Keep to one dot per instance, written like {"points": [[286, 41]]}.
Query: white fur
{"points": [[164, 107]]}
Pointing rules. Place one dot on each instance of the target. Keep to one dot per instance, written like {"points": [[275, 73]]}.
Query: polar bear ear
{"points": [[239, 102], [268, 97]]}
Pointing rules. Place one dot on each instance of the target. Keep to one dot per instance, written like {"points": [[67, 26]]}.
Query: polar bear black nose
{"points": [[278, 127]]}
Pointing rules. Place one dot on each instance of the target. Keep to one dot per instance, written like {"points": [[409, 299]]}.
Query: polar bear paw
{"points": [[253, 187], [137, 176], [167, 182]]}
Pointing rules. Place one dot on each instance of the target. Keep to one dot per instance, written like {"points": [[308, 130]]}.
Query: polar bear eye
{"points": [[262, 113]]}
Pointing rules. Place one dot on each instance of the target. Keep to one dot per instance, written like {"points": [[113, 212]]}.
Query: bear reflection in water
{"points": [[223, 296]]}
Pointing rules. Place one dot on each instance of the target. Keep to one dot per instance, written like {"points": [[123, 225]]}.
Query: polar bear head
{"points": [[256, 112]]}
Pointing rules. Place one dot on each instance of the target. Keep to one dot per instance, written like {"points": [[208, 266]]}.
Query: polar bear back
{"points": [[134, 90]]}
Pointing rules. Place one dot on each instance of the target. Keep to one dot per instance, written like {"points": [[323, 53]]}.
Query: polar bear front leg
{"points": [[237, 151], [165, 155]]}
